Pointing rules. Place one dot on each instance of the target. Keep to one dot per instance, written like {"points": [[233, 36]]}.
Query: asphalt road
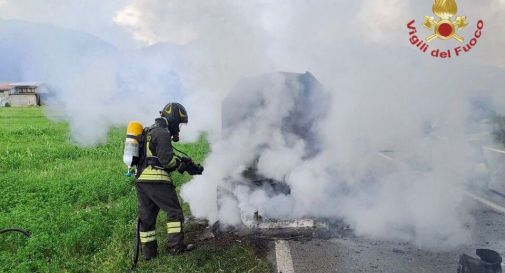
{"points": [[352, 254]]}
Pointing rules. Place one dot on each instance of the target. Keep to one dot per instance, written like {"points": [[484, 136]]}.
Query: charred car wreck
{"points": [[304, 105]]}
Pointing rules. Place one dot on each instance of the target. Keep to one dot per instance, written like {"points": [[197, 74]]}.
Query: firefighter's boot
{"points": [[175, 240], [150, 250], [149, 244]]}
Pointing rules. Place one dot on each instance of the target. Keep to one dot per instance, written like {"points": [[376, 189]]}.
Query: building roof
{"points": [[5, 87], [25, 84], [23, 94]]}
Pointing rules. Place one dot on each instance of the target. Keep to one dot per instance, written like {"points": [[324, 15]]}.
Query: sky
{"points": [[136, 23], [93, 16], [121, 22]]}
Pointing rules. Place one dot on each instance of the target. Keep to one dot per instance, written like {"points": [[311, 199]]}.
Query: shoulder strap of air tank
{"points": [[147, 142], [142, 151]]}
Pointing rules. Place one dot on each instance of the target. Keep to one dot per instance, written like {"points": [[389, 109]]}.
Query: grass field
{"points": [[80, 208]]}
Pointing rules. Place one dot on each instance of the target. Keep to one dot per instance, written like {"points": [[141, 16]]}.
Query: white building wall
{"points": [[4, 97], [23, 100]]}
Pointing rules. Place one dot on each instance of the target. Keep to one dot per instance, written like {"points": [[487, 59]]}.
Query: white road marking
{"points": [[283, 257], [385, 156], [494, 150], [488, 203]]}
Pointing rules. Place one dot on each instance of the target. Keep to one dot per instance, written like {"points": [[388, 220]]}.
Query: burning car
{"points": [[286, 108]]}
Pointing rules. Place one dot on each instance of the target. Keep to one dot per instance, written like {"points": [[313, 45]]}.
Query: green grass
{"points": [[80, 207]]}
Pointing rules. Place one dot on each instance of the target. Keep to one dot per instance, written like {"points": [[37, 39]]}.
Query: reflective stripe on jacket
{"points": [[159, 155], [152, 174]]}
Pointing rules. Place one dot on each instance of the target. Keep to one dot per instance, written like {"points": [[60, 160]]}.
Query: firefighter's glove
{"points": [[183, 164], [187, 165]]}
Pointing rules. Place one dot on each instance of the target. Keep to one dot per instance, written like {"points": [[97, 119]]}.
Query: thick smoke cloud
{"points": [[386, 96], [91, 84]]}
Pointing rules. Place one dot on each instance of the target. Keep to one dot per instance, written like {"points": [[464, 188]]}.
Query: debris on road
{"points": [[489, 262]]}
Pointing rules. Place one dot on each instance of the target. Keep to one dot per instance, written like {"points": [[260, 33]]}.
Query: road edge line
{"points": [[283, 257], [488, 203]]}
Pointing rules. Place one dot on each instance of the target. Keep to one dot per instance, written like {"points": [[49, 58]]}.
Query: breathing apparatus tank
{"points": [[131, 145]]}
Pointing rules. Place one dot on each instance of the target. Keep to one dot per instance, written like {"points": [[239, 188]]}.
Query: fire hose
{"points": [[137, 249], [192, 168], [22, 231]]}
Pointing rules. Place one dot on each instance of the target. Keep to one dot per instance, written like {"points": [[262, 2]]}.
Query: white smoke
{"points": [[108, 92], [412, 193], [385, 96]]}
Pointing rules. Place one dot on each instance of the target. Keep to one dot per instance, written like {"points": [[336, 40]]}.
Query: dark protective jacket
{"points": [[157, 158]]}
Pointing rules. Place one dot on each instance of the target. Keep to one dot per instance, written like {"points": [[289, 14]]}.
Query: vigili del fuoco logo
{"points": [[444, 26]]}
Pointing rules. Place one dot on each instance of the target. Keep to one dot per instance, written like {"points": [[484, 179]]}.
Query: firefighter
{"points": [[155, 189]]}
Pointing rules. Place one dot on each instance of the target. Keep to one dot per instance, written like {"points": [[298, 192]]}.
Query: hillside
{"points": [[34, 51]]}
